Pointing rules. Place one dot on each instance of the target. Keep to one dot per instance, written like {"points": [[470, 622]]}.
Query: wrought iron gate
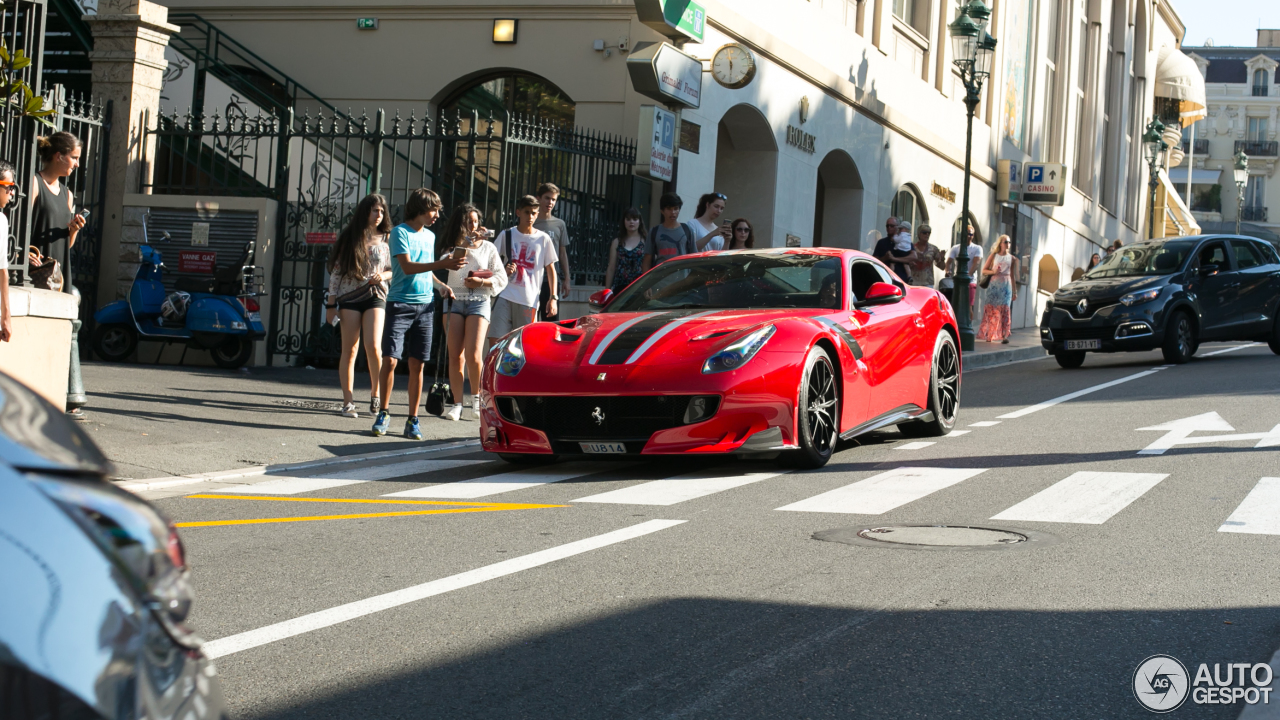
{"points": [[91, 122], [318, 169]]}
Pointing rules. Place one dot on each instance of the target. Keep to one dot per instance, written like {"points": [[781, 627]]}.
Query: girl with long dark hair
{"points": [[474, 286], [743, 236], [54, 221], [359, 269], [626, 252]]}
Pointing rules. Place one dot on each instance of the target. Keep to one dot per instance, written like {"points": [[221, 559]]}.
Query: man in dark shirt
{"points": [[884, 252]]}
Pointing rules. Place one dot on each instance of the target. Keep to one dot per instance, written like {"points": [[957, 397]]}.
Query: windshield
{"points": [[1145, 259], [737, 280]]}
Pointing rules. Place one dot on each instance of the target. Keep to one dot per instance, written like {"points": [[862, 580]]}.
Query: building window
{"points": [[1259, 83], [1255, 192], [1133, 191], [907, 207], [1049, 145], [905, 10], [1257, 131], [1082, 178], [516, 93]]}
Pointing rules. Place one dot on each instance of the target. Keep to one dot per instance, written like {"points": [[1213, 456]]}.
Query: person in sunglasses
{"points": [[928, 256], [8, 191], [709, 235]]}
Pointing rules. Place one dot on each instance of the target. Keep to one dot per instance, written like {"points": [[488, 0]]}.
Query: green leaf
{"points": [[45, 122], [41, 113], [4, 53], [19, 63], [34, 105]]}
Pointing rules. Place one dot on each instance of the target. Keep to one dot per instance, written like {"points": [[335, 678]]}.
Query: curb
{"points": [[973, 361], [161, 483]]}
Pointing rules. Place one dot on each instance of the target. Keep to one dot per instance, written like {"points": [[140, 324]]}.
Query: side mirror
{"points": [[881, 293], [600, 300], [167, 236]]}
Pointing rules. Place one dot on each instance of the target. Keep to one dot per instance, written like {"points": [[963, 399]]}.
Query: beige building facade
{"points": [[855, 112]]}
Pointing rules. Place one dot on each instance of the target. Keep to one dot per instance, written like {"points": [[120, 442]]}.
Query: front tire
{"points": [[1069, 359], [819, 412], [115, 342], [233, 352], [944, 392], [1274, 341], [1179, 339]]}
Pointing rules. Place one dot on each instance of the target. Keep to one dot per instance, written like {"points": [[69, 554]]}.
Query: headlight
{"points": [[511, 355], [1140, 297], [737, 353], [142, 544]]}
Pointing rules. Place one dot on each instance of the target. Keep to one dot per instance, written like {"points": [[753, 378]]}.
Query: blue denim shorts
{"points": [[466, 305], [407, 330]]}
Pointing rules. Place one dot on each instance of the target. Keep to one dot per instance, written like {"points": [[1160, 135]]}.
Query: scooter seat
{"points": [[194, 284]]}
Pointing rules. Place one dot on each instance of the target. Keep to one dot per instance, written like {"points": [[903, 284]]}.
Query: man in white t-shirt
{"points": [[8, 191], [975, 261], [708, 235], [528, 254]]}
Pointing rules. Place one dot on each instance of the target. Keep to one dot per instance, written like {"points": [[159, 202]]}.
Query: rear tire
{"points": [[1274, 341], [819, 412], [114, 342], [944, 392], [1179, 339], [521, 459], [1070, 359], [233, 352]]}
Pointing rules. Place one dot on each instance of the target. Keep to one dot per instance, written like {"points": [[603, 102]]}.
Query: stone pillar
{"points": [[129, 38]]}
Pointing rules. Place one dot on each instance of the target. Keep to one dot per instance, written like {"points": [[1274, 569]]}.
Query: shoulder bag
{"points": [[440, 394], [985, 281]]}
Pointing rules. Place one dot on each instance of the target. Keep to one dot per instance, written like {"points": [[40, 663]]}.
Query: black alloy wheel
{"points": [[944, 392], [1070, 359], [819, 411], [1274, 341], [233, 352], [1179, 339], [114, 343]]}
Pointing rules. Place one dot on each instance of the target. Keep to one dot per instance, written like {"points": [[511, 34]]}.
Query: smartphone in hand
{"points": [[459, 252]]}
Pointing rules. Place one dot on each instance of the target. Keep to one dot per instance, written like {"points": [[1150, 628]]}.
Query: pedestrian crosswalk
{"points": [[1084, 497]]}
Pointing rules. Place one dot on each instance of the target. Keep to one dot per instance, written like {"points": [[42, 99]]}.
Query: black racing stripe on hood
{"points": [[633, 337]]}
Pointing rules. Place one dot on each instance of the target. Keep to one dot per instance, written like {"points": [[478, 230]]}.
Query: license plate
{"points": [[1084, 344], [603, 448]]}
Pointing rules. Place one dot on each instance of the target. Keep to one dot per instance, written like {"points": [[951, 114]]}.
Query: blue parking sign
{"points": [[1035, 173]]}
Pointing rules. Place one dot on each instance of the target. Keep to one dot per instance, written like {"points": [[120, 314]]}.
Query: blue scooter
{"points": [[222, 317]]}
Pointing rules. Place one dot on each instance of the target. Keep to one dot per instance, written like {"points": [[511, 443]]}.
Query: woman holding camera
{"points": [[474, 286]]}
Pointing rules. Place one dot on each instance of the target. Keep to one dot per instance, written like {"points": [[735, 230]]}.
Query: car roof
{"points": [[832, 252]]}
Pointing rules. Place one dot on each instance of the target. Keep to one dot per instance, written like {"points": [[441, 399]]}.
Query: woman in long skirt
{"points": [[1000, 267]]}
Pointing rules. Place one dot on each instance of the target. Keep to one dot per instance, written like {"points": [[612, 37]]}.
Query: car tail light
{"points": [[250, 304]]}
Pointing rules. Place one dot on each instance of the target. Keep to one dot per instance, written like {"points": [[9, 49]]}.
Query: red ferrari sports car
{"points": [[748, 352]]}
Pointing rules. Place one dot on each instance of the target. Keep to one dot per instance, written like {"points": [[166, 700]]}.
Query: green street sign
{"points": [[673, 18], [366, 23]]}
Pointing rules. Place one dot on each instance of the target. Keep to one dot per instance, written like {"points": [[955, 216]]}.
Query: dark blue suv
{"points": [[1169, 294]]}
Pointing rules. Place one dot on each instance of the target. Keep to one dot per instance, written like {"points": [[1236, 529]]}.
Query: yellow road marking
{"points": [[469, 507]]}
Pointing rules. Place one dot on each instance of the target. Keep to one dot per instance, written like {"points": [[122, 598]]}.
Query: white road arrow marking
{"points": [[1177, 431]]}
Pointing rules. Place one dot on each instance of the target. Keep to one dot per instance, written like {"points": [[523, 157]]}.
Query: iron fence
{"points": [[22, 27], [1257, 148], [318, 168], [91, 123]]}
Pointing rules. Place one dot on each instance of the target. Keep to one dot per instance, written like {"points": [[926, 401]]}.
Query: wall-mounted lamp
{"points": [[504, 31]]}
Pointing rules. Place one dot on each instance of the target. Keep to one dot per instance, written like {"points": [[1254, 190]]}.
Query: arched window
{"points": [[519, 93], [908, 207], [1049, 275], [955, 232], [1259, 83]]}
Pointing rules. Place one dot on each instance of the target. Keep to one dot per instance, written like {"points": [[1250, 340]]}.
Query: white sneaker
{"points": [[455, 412], [475, 408], [349, 410]]}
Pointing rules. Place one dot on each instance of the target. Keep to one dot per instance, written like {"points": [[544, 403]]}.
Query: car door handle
{"points": [[919, 322]]}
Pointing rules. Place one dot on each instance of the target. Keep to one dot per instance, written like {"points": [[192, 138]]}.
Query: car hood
{"points": [[650, 338], [1107, 289], [35, 435]]}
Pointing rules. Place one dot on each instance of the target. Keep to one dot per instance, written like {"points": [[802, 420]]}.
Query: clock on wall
{"points": [[733, 66]]}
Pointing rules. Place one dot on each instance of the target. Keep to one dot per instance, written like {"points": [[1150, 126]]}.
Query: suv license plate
{"points": [[1084, 344], [603, 448]]}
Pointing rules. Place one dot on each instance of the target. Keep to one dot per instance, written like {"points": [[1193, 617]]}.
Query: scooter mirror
{"points": [[167, 236]]}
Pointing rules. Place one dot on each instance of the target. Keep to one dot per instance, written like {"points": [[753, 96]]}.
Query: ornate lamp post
{"points": [[973, 48], [1154, 147], [1242, 179]]}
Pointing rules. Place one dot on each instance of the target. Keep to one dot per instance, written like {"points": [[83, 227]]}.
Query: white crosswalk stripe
{"points": [[1086, 497], [886, 491], [677, 489], [1259, 513], [503, 483], [353, 476]]}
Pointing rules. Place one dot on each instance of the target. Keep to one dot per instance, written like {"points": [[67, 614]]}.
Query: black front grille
{"points": [[1088, 333], [634, 417]]}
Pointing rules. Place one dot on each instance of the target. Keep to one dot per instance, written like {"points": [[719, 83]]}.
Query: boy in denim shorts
{"points": [[409, 304]]}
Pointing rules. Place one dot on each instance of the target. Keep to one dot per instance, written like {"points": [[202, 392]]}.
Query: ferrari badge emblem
{"points": [[602, 376], [598, 415], [1082, 307]]}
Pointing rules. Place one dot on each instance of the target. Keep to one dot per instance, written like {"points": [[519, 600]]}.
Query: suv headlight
{"points": [[511, 355], [737, 353], [137, 540], [1140, 297]]}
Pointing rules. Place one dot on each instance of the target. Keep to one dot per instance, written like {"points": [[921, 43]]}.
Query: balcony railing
{"points": [[1202, 146], [1258, 148], [1259, 90], [1256, 214]]}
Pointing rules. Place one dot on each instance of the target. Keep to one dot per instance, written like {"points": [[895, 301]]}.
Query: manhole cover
{"points": [[941, 535]]}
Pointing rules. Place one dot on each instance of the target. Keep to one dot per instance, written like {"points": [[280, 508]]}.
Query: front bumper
{"points": [[1116, 328]]}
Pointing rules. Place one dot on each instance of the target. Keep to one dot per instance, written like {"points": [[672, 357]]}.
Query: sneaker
{"points": [[475, 408], [382, 424], [455, 412], [411, 429], [374, 405], [349, 410]]}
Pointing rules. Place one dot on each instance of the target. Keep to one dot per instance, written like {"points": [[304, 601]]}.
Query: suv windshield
{"points": [[737, 280], [1145, 259]]}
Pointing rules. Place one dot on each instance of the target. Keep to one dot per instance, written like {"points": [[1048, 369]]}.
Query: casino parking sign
{"points": [[1043, 183]]}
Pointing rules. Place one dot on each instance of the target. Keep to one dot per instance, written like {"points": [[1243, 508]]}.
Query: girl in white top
{"points": [[708, 235], [473, 286]]}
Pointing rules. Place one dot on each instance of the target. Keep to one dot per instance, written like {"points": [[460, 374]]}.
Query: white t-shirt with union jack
{"points": [[531, 255]]}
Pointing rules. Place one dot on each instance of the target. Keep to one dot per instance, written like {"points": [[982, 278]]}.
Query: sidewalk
{"points": [[1024, 344]]}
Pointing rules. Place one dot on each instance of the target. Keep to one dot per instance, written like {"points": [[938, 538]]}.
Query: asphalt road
{"points": [[590, 592]]}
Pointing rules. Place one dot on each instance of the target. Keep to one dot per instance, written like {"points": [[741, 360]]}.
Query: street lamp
{"points": [[973, 48], [1242, 179], [1154, 146]]}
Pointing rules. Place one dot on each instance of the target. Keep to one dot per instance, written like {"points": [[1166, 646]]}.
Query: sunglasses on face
{"points": [[742, 229], [9, 185]]}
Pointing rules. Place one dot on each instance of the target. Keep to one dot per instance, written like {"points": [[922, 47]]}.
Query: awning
{"points": [[1199, 177], [1177, 77]]}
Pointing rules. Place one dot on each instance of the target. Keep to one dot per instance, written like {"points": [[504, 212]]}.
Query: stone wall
{"points": [[39, 352]]}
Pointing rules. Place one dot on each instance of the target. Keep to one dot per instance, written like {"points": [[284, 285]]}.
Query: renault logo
{"points": [[1082, 307], [598, 415]]}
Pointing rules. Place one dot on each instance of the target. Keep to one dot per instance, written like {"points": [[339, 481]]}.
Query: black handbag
{"points": [[440, 394], [985, 281]]}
